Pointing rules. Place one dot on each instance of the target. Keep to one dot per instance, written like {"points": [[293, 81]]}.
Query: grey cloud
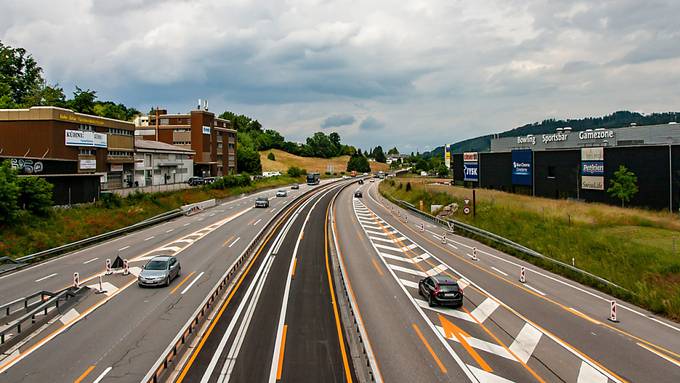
{"points": [[338, 120], [371, 123]]}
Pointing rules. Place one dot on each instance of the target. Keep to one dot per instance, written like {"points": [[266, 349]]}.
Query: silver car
{"points": [[159, 271], [281, 193]]}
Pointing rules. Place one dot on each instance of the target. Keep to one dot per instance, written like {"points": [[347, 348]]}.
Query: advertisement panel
{"points": [[470, 156], [592, 168], [88, 164], [471, 171], [592, 154], [592, 182], [99, 140], [116, 167], [79, 138], [206, 130], [522, 167], [447, 156]]}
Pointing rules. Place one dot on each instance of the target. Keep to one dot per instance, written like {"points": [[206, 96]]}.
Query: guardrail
{"points": [[452, 224], [185, 335], [23, 303]]}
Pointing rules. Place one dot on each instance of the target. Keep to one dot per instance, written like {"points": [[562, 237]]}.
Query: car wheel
{"points": [[167, 281], [420, 291], [430, 301]]}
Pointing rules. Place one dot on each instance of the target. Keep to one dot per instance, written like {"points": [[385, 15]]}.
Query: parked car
{"points": [[295, 187], [159, 271], [358, 194], [195, 181], [262, 202], [441, 290], [281, 193]]}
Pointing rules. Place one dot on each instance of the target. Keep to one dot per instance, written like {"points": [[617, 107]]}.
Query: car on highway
{"points": [[361, 182], [372, 180], [281, 193], [295, 186], [195, 181], [262, 202], [357, 194], [209, 180], [159, 271], [441, 290]]}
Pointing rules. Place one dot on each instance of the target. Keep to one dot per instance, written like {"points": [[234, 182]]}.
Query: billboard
{"points": [[592, 168], [85, 138], [522, 172], [592, 154], [470, 156], [447, 156], [88, 164], [471, 171]]}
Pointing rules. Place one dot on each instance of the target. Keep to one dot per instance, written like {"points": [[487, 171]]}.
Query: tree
{"points": [[20, 73], [624, 185], [358, 163], [294, 171], [393, 151], [248, 160], [271, 156], [442, 171], [35, 195], [83, 101], [9, 193], [379, 155]]}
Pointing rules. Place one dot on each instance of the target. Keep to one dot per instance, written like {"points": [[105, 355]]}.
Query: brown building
{"points": [[210, 137], [54, 141]]}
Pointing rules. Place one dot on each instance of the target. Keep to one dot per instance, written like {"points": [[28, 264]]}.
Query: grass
{"points": [[634, 248], [31, 234], [284, 160]]}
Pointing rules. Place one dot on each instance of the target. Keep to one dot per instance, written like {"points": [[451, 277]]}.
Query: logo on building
{"points": [[471, 166], [206, 130], [595, 134], [529, 139], [522, 167], [26, 166]]}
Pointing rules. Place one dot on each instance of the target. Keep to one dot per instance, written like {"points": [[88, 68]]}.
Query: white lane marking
{"points": [[387, 239], [169, 231], [400, 249], [446, 311], [384, 234], [109, 288], [192, 283], [463, 283], [534, 289], [124, 247], [100, 377], [273, 210], [481, 345], [408, 283], [45, 277], [452, 245], [413, 260], [587, 374], [187, 224], [407, 270], [69, 316], [149, 238], [659, 354], [91, 260], [486, 377], [525, 342], [256, 222], [500, 271], [233, 243], [212, 214], [484, 310], [173, 249]]}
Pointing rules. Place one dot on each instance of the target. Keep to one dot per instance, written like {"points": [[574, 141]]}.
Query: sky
{"points": [[412, 74]]}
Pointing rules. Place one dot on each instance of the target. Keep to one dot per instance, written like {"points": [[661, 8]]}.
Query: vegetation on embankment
{"points": [[285, 160], [634, 248], [31, 233]]}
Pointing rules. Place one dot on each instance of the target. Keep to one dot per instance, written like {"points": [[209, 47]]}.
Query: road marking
{"points": [[283, 349], [294, 267], [192, 283], [377, 268], [182, 282], [534, 289], [100, 377], [149, 238], [84, 374], [91, 260], [584, 316], [587, 374], [446, 311], [400, 249], [486, 377], [408, 283], [187, 224], [525, 342], [413, 260], [462, 336], [429, 348], [227, 241], [169, 231], [500, 271], [657, 353], [69, 316], [274, 209], [485, 309], [480, 344], [233, 243], [407, 270], [124, 247], [212, 214], [388, 239], [256, 222], [452, 245], [45, 277]]}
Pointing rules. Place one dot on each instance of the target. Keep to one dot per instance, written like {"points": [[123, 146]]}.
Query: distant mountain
{"points": [[615, 120]]}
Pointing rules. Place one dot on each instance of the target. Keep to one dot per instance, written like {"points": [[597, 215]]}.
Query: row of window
{"points": [[181, 130], [181, 142], [121, 132], [116, 153], [85, 127]]}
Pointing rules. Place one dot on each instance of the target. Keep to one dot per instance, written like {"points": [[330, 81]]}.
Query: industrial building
{"points": [[158, 163], [580, 164]]}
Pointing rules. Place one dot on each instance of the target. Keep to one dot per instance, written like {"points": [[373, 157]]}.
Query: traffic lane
{"points": [[129, 331], [387, 314], [91, 261], [591, 305], [617, 353]]}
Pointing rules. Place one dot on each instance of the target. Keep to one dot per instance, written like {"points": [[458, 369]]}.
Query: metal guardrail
{"points": [[23, 303], [187, 332], [451, 224]]}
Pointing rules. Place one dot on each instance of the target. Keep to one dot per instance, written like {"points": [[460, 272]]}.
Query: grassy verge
{"points": [[634, 248], [31, 234]]}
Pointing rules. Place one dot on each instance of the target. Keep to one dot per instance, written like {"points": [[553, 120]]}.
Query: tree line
{"points": [[22, 195]]}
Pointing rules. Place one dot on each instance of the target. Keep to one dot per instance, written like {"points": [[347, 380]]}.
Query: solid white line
{"points": [[499, 271], [46, 277], [91, 260], [485, 309], [258, 221], [100, 377], [659, 354], [149, 238], [187, 224], [168, 231], [192, 283], [534, 289], [408, 283], [236, 240], [124, 247]]}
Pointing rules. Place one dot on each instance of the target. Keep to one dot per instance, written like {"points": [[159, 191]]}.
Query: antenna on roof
{"points": [[199, 104], [206, 105]]}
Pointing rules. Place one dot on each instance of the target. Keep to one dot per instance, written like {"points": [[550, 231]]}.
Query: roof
{"points": [[157, 145]]}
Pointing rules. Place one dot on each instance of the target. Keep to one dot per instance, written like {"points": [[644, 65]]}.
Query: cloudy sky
{"points": [[415, 74]]}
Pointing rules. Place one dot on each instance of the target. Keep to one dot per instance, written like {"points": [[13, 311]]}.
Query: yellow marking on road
{"points": [[283, 348], [292, 276], [452, 329], [429, 348], [659, 354], [84, 374], [377, 267], [182, 282], [227, 241]]}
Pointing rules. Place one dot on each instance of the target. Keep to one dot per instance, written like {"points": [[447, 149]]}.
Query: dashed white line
{"points": [[91, 260], [534, 289], [124, 247], [192, 283], [499, 271], [168, 231], [45, 277], [149, 238], [236, 240], [100, 377], [187, 224], [256, 222]]}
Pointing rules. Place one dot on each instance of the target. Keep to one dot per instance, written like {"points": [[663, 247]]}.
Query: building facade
{"points": [[210, 137], [158, 163]]}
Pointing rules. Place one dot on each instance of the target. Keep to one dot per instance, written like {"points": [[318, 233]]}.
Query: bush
{"points": [[294, 171], [408, 186], [229, 182], [111, 200], [35, 195], [271, 156], [327, 173], [9, 193]]}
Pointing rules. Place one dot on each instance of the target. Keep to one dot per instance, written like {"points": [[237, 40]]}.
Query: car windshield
{"points": [[156, 265], [260, 199], [448, 288]]}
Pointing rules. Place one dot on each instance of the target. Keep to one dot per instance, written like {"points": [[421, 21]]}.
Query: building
{"points": [[210, 137], [580, 165], [158, 163], [79, 153]]}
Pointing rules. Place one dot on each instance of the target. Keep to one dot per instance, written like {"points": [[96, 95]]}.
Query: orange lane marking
{"points": [[181, 283], [429, 348], [377, 267], [84, 375], [228, 240], [283, 348], [452, 329], [294, 267]]}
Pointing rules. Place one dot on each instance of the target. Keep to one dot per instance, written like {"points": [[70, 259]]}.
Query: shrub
{"points": [[9, 193], [271, 156], [111, 200], [294, 171], [408, 186], [327, 173], [35, 195]]}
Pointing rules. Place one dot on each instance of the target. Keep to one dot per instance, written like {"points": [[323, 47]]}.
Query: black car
{"points": [[209, 180], [195, 181], [441, 290], [361, 182], [358, 194], [262, 202], [295, 187]]}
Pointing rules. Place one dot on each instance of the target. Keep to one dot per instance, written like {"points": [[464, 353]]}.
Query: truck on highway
{"points": [[313, 178]]}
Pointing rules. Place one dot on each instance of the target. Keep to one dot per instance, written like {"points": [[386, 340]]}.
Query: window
{"points": [[116, 153], [87, 152], [120, 132], [181, 142], [165, 121], [181, 130]]}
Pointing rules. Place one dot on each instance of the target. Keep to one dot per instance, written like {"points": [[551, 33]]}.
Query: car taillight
{"points": [[436, 290]]}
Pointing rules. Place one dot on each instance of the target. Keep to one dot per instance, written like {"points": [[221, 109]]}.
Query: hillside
{"points": [[284, 160]]}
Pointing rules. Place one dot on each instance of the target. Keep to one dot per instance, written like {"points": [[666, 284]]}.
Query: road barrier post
{"points": [[405, 218], [76, 280], [126, 267], [612, 312], [108, 267], [444, 238], [522, 274], [101, 287], [422, 227], [474, 254]]}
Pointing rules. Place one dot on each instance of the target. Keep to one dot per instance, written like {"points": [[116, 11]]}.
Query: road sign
{"points": [[466, 210], [467, 201]]}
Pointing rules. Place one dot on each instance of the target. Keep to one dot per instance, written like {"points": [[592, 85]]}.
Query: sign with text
{"points": [[471, 171], [116, 167], [206, 130], [88, 164], [522, 167], [592, 154], [85, 138], [447, 156], [592, 182], [592, 168], [470, 157]]}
